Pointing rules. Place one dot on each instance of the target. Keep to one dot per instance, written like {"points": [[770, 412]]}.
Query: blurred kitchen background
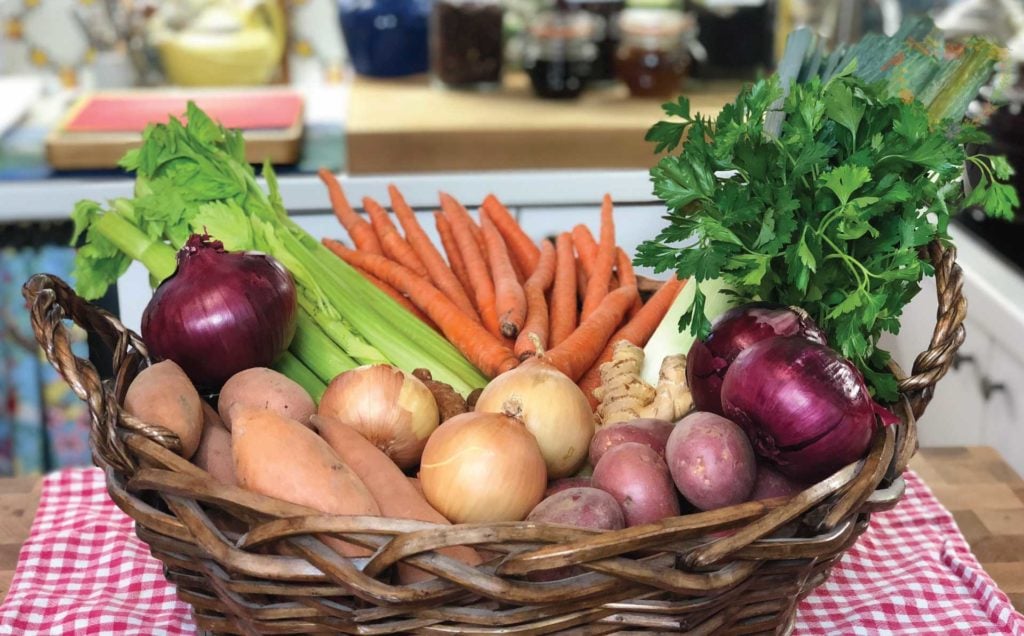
{"points": [[543, 102]]}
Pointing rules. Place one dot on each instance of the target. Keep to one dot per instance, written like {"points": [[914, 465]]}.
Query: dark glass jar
{"points": [[606, 14], [386, 38], [560, 53], [652, 56], [466, 46]]}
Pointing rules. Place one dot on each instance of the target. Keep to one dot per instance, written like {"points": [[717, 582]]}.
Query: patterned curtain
{"points": [[43, 425]]}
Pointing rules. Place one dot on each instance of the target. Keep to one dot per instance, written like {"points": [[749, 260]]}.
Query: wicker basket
{"points": [[252, 564]]}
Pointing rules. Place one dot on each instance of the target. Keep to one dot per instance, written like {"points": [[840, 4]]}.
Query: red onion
{"points": [[732, 332], [804, 407], [220, 312]]}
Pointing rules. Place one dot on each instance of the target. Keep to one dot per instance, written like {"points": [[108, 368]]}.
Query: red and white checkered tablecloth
{"points": [[83, 571]]}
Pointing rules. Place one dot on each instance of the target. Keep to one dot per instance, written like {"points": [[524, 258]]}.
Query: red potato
{"points": [[565, 483], [648, 431], [263, 388], [769, 483], [711, 461], [214, 452], [581, 507], [637, 477]]}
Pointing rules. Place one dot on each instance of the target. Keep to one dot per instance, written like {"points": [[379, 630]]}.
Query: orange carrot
{"points": [[480, 347], [509, 297], [562, 319], [333, 245], [581, 280], [451, 249], [637, 330], [586, 247], [395, 247], [358, 229], [459, 211], [537, 305], [439, 271], [627, 277], [524, 252], [600, 276], [475, 261], [576, 354]]}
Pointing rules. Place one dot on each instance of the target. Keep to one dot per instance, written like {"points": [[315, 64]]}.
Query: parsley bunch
{"points": [[831, 215]]}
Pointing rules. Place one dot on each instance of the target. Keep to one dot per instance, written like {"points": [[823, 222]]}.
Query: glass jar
{"points": [[466, 48], [652, 57], [560, 53], [606, 14], [386, 38]]}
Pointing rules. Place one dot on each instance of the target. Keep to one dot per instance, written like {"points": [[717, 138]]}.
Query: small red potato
{"points": [[711, 461], [648, 431], [637, 477]]}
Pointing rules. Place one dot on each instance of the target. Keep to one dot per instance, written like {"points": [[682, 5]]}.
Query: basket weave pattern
{"points": [[252, 564]]}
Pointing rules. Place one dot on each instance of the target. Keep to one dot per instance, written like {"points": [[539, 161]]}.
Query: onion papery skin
{"points": [[735, 330], [220, 313], [482, 468], [392, 409], [805, 408], [551, 406]]}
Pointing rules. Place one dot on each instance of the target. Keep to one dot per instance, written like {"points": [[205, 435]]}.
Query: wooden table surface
{"points": [[407, 125], [982, 491]]}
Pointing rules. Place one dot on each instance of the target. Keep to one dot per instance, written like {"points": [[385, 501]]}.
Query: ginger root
{"points": [[624, 396], [449, 402]]}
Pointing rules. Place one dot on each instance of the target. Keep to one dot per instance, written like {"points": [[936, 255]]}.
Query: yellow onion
{"points": [[394, 410], [551, 407], [481, 468]]}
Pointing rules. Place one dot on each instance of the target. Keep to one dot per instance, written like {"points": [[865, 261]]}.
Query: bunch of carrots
{"points": [[494, 293]]}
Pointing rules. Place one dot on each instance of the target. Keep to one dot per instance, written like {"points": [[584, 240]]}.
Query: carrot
{"points": [[460, 212], [600, 276], [333, 245], [581, 280], [586, 247], [509, 297], [395, 247], [480, 347], [451, 249], [627, 277], [576, 354], [637, 330], [395, 494], [361, 233], [438, 270], [524, 251], [562, 319], [536, 304], [476, 264], [279, 457]]}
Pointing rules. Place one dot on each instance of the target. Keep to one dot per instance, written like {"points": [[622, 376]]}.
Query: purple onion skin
{"points": [[221, 313], [731, 333], [805, 408]]}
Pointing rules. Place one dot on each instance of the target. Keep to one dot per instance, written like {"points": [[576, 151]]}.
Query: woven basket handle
{"points": [[948, 335], [50, 300]]}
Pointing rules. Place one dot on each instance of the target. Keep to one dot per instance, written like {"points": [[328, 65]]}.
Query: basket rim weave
{"points": [[224, 547]]}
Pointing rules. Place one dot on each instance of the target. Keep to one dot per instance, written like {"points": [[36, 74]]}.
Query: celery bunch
{"points": [[193, 178]]}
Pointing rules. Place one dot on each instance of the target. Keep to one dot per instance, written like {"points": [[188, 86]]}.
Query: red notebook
{"points": [[130, 113]]}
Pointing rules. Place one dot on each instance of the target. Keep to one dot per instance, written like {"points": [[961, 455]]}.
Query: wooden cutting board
{"points": [[100, 127], [410, 126]]}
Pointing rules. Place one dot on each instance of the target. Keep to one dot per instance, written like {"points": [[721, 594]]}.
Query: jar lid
{"points": [[563, 25], [655, 22]]}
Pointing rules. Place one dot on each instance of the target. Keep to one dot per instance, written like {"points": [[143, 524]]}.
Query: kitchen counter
{"points": [[984, 494], [408, 125]]}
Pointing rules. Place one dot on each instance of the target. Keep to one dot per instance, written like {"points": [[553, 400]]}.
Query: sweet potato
{"points": [[395, 494], [279, 457], [649, 432], [214, 452], [565, 483], [711, 461], [637, 477], [769, 483], [162, 394], [265, 388]]}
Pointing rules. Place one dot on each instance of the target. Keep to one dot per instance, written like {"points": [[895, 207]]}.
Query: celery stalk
{"points": [[318, 352], [159, 258], [292, 367]]}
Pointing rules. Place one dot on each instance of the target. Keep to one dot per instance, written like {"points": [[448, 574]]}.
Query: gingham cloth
{"points": [[83, 571]]}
